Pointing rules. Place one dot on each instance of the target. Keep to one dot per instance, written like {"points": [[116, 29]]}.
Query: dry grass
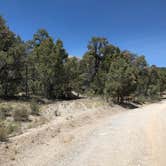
{"points": [[5, 110], [3, 131], [13, 128], [21, 113]]}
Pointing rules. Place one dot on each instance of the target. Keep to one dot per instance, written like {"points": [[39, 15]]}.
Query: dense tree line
{"points": [[42, 67], [111, 72]]}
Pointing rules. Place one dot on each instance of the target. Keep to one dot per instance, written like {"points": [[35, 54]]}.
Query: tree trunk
{"points": [[6, 90], [121, 99]]}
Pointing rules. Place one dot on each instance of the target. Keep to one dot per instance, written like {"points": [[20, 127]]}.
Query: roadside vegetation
{"points": [[42, 68], [17, 116]]}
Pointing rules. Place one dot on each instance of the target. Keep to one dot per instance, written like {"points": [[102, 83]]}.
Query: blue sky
{"points": [[135, 25]]}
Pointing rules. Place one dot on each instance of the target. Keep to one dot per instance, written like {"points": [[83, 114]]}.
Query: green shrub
{"points": [[2, 115], [21, 114], [13, 127], [34, 108], [141, 99], [3, 131], [5, 110]]}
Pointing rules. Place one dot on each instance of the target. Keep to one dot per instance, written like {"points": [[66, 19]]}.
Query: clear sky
{"points": [[135, 25]]}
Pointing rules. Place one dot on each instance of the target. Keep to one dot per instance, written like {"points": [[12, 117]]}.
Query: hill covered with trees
{"points": [[43, 68]]}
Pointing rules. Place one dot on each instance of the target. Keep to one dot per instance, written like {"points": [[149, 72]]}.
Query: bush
{"points": [[141, 99], [34, 108], [2, 115], [3, 132], [21, 114], [5, 110], [13, 127]]}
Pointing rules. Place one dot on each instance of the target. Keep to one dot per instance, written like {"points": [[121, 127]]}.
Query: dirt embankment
{"points": [[72, 116]]}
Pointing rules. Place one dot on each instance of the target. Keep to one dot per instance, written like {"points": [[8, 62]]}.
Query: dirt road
{"points": [[133, 138]]}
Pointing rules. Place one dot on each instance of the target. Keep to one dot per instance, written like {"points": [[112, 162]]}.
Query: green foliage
{"points": [[141, 99], [162, 75], [120, 80], [117, 74], [21, 113], [87, 65], [6, 36], [47, 61], [153, 86], [11, 57], [72, 72], [35, 110]]}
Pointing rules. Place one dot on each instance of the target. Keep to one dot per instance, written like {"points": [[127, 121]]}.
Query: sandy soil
{"points": [[94, 138]]}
